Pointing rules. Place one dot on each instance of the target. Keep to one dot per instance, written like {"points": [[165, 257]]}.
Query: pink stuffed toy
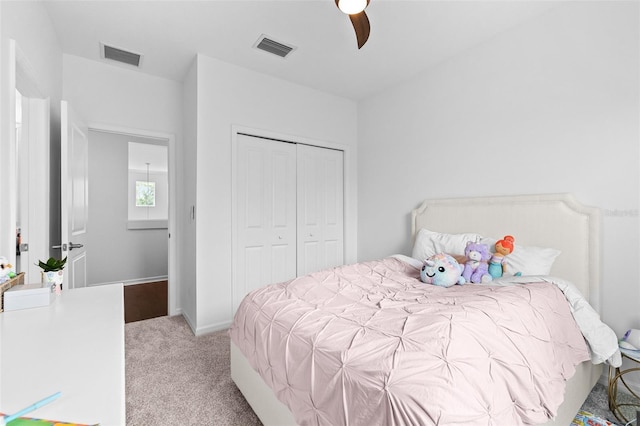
{"points": [[476, 268]]}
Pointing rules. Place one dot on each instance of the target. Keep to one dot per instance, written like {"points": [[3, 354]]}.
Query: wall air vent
{"points": [[269, 45], [115, 54]]}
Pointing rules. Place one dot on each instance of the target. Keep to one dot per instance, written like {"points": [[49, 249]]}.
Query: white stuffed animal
{"points": [[6, 270]]}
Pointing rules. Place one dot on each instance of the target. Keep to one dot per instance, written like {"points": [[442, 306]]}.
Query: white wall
{"points": [[114, 97], [114, 252], [229, 95], [36, 42], [550, 106]]}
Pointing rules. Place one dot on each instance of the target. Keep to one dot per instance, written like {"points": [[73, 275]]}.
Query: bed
{"points": [[396, 372]]}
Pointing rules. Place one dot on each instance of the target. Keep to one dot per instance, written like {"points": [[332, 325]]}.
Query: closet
{"points": [[289, 212]]}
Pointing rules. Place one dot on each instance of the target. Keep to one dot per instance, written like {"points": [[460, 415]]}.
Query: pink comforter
{"points": [[369, 344]]}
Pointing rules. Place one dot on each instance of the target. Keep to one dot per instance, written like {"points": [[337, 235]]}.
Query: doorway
{"points": [[130, 213], [28, 185]]}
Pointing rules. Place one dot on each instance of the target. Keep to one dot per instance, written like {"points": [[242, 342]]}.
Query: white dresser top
{"points": [[75, 346]]}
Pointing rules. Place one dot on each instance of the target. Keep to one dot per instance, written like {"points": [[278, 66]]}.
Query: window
{"points": [[145, 194], [148, 186]]}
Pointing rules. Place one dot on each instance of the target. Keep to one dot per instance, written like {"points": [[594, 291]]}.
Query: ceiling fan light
{"points": [[352, 7]]}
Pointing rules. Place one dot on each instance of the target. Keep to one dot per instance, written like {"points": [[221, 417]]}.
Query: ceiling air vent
{"points": [[115, 54], [271, 46]]}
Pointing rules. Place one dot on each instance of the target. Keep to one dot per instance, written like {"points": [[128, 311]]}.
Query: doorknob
{"points": [[72, 246]]}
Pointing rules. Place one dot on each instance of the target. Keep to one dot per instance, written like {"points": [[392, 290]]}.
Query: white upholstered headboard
{"points": [[548, 220]]}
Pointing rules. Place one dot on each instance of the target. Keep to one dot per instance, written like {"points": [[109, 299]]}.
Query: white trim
{"points": [[148, 224], [191, 323], [285, 137], [26, 78], [211, 328], [133, 281], [122, 130], [174, 302], [8, 208]]}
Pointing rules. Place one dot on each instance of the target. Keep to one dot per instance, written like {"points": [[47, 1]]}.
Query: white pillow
{"points": [[429, 243], [529, 260]]}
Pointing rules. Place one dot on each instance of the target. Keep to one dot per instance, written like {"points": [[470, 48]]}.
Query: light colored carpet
{"points": [[176, 378]]}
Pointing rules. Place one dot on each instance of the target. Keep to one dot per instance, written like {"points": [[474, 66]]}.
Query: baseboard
{"points": [[212, 328], [199, 331], [134, 281], [191, 323]]}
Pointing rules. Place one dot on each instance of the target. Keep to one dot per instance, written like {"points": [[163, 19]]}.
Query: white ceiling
{"points": [[407, 37]]}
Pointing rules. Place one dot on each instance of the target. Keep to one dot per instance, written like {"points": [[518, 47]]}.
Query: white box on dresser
{"points": [[27, 296], [75, 346]]}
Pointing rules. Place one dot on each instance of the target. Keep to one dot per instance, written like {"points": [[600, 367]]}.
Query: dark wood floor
{"points": [[144, 301]]}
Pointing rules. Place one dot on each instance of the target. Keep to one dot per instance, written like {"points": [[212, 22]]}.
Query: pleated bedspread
{"points": [[370, 344]]}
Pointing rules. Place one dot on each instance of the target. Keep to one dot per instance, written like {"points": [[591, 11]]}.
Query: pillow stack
{"points": [[528, 260]]}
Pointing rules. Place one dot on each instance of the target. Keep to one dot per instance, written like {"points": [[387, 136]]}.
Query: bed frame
{"points": [[550, 220]]}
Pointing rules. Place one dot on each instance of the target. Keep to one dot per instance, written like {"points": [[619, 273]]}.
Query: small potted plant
{"points": [[52, 273]]}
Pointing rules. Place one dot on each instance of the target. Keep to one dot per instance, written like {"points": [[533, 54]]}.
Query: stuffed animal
{"points": [[442, 270], [6, 270], [476, 268], [498, 262]]}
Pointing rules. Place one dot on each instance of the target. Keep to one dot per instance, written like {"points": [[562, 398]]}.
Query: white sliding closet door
{"points": [[266, 213], [320, 208], [289, 212]]}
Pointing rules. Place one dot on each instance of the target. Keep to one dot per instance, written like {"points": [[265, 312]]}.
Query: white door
{"points": [[74, 196], [320, 209], [33, 186], [265, 214]]}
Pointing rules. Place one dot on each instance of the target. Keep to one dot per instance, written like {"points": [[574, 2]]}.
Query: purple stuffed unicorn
{"points": [[476, 268]]}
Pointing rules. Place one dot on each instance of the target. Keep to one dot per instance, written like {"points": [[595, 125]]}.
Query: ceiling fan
{"points": [[355, 10]]}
